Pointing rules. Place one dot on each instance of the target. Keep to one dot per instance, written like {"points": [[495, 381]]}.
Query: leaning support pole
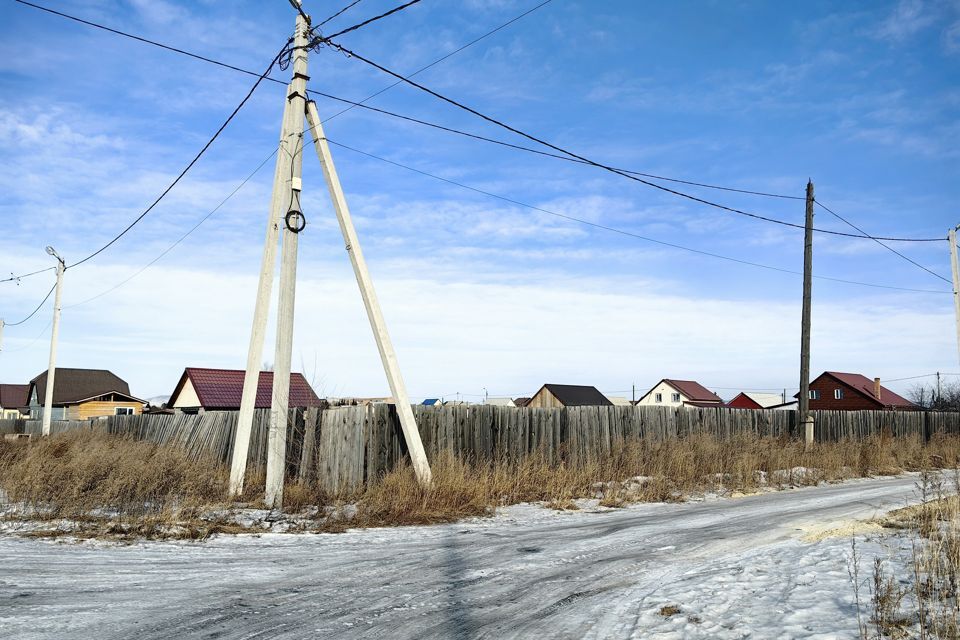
{"points": [[278, 206], [292, 224], [389, 357], [804, 405], [955, 272]]}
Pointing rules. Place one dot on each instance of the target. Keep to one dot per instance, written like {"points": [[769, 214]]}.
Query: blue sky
{"points": [[480, 293]]}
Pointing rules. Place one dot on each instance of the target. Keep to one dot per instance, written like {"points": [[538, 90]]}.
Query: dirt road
{"points": [[528, 572]]}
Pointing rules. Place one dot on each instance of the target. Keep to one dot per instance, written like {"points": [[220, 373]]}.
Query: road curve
{"points": [[528, 572]]}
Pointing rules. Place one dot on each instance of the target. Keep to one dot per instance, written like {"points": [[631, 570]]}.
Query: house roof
{"points": [[500, 401], [521, 402], [692, 390], [864, 385], [76, 385], [223, 388], [431, 402], [14, 396], [575, 395]]}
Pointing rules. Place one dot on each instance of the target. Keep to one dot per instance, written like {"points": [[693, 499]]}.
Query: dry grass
{"points": [[918, 594], [93, 477], [145, 489]]}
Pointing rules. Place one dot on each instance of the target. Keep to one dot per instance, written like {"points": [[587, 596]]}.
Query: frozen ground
{"points": [[737, 568]]}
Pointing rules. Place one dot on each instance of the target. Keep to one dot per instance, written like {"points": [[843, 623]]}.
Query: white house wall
{"points": [[187, 398], [667, 393]]}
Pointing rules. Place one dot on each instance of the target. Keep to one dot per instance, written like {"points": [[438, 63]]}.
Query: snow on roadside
{"points": [[793, 589]]}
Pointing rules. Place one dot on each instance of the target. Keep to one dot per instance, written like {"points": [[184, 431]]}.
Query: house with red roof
{"points": [[200, 390], [678, 393], [834, 390]]}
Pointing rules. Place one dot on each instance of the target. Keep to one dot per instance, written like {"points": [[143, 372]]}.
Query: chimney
{"points": [[876, 388]]}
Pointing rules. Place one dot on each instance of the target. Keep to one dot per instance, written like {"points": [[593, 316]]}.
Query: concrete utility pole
{"points": [[54, 334], [805, 417], [388, 356], [281, 201], [955, 271], [293, 224]]}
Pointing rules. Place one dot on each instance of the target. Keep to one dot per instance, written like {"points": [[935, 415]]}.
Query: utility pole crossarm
{"points": [[384, 345]]}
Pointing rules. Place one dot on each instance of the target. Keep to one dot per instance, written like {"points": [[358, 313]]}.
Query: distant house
{"points": [[619, 401], [79, 394], [677, 393], [200, 390], [500, 401], [14, 401], [432, 402], [521, 402], [567, 395], [753, 400], [853, 392]]}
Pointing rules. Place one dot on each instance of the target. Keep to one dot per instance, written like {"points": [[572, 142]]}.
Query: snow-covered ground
{"points": [[772, 565]]}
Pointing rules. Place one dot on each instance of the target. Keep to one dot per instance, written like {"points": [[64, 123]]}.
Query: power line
{"points": [[887, 247], [192, 162], [179, 240], [622, 231], [585, 160], [34, 312], [338, 13], [373, 19], [519, 147], [14, 278], [145, 40], [441, 59], [361, 103], [31, 343]]}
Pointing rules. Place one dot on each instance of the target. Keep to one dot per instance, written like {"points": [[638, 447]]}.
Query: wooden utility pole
{"points": [[955, 272], [388, 356], [293, 224], [280, 202], [54, 334], [804, 406]]}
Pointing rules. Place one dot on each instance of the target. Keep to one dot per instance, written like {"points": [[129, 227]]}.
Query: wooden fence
{"points": [[348, 446]]}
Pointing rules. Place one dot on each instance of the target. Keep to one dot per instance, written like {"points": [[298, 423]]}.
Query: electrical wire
{"points": [[519, 147], [192, 162], [338, 13], [441, 59], [599, 165], [145, 40], [373, 19], [34, 312], [29, 344], [887, 247], [361, 103], [622, 231], [14, 278], [179, 240]]}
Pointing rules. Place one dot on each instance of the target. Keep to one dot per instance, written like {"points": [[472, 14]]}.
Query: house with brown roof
{"points": [[678, 393], [14, 399], [854, 392], [568, 395], [80, 394], [200, 390]]}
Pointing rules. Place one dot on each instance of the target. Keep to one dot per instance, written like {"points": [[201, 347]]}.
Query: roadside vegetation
{"points": [[914, 591], [90, 483]]}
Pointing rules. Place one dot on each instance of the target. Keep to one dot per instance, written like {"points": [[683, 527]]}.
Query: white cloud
{"points": [[907, 19]]}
